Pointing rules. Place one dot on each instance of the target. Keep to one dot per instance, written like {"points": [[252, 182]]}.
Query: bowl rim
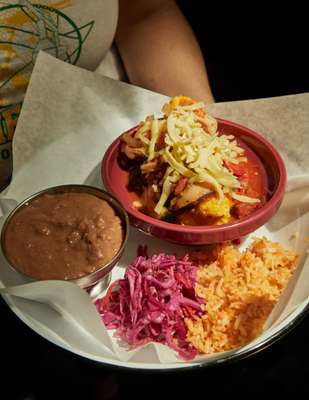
{"points": [[113, 202], [253, 218]]}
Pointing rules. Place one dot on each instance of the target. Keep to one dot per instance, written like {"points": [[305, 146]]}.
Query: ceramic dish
{"points": [[115, 181]]}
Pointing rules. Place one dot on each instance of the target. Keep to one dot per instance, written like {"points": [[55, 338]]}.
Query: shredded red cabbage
{"points": [[151, 302]]}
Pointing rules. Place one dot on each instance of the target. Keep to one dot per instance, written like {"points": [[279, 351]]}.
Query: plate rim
{"points": [[234, 355]]}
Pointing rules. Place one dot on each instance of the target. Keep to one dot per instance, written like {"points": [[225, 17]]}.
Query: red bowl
{"points": [[115, 180]]}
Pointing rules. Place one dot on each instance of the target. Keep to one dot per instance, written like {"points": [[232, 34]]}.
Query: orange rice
{"points": [[240, 290]]}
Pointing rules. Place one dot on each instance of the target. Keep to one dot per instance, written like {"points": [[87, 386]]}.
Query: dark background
{"points": [[252, 50], [250, 53]]}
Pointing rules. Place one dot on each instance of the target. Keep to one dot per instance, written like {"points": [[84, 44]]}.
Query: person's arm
{"points": [[159, 50]]}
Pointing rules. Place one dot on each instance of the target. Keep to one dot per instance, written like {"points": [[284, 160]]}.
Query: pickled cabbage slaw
{"points": [[152, 301], [187, 142]]}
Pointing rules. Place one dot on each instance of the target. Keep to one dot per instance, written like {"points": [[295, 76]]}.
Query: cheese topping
{"points": [[193, 148]]}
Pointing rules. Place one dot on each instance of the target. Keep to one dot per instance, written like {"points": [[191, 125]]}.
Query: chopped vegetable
{"points": [[152, 301]]}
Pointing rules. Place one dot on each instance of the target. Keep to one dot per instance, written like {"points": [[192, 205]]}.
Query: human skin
{"points": [[159, 50]]}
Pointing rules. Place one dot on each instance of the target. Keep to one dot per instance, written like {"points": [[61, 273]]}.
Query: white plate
{"points": [[39, 316], [34, 314]]}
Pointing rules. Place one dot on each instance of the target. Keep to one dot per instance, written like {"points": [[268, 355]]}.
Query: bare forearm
{"points": [[159, 50]]}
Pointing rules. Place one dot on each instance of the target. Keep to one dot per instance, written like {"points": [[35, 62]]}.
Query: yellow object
{"points": [[181, 101], [217, 208]]}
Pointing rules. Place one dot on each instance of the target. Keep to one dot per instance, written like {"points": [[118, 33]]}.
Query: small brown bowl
{"points": [[102, 274]]}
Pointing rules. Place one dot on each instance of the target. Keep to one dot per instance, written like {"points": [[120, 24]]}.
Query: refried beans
{"points": [[63, 236]]}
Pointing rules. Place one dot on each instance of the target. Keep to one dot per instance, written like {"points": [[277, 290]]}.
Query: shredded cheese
{"points": [[168, 186], [153, 140], [244, 199], [192, 148]]}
